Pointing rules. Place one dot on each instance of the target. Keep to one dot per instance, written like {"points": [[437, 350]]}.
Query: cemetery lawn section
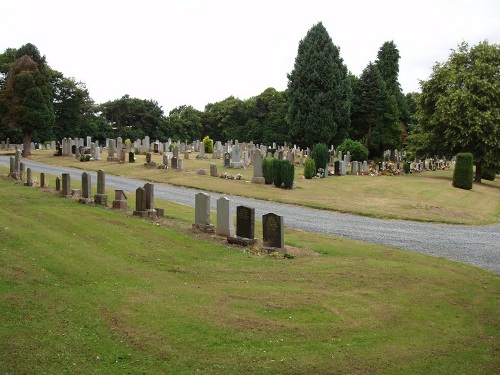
{"points": [[427, 196], [89, 290]]}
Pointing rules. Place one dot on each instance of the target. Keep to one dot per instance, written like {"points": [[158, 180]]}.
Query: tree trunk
{"points": [[478, 172], [26, 143]]}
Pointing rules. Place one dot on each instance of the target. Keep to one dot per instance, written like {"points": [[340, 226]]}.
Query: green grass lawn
{"points": [[89, 290], [427, 196]]}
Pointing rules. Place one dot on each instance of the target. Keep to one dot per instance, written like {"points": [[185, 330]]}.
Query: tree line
{"points": [[323, 103]]}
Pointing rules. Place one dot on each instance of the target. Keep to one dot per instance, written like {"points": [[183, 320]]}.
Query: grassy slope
{"points": [[86, 290], [427, 196]]}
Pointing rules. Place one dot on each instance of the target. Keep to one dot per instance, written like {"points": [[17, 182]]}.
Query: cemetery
{"points": [[144, 279], [245, 268]]}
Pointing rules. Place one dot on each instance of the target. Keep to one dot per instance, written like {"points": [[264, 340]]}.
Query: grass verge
{"points": [[84, 289]]}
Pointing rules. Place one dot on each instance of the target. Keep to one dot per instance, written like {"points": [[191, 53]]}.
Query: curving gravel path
{"points": [[477, 245]]}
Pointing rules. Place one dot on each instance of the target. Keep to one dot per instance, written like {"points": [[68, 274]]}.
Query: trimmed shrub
{"points": [[464, 171], [406, 167], [267, 169], [488, 173], [208, 144], [357, 150], [287, 173], [320, 154], [277, 173], [309, 168]]}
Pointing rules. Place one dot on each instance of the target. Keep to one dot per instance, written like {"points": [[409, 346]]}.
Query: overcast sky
{"points": [[197, 52]]}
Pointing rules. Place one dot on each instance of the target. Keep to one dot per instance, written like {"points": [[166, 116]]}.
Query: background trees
{"points": [[133, 118], [459, 108], [26, 96], [319, 93]]}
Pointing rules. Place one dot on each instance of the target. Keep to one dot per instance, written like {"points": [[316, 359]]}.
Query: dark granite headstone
{"points": [[273, 231], [245, 222]]}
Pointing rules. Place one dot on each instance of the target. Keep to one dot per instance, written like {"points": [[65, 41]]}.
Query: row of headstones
{"points": [[272, 224]]}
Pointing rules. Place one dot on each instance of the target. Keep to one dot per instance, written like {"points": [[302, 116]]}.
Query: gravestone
{"points": [[120, 202], [101, 196], [213, 170], [336, 168], [21, 171], [235, 157], [273, 232], [342, 168], [42, 180], [225, 225], [131, 157], [245, 227], [202, 213], [150, 208], [86, 188], [58, 184], [201, 154], [66, 186], [140, 202], [29, 178], [111, 150], [174, 162], [258, 173], [227, 160], [12, 167], [180, 164]]}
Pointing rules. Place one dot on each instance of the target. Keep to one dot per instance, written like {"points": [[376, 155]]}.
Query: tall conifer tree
{"points": [[319, 91]]}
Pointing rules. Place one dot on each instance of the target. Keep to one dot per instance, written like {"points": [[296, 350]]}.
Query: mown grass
{"points": [[427, 196], [89, 290]]}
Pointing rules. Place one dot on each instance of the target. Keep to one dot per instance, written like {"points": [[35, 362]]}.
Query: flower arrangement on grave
{"points": [[372, 171], [86, 157]]}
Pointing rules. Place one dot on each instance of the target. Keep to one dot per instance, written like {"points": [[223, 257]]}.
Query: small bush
{"points": [[208, 144], [356, 149], [320, 154], [309, 168], [287, 174], [406, 167], [267, 169], [488, 173], [277, 173], [464, 171]]}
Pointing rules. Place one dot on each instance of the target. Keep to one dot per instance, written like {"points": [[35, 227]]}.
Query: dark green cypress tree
{"points": [[376, 112], [319, 92]]}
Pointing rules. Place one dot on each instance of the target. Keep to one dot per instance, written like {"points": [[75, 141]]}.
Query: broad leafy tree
{"points": [[26, 96], [226, 120], [184, 123], [459, 108], [73, 108], [319, 93], [133, 118], [267, 122]]}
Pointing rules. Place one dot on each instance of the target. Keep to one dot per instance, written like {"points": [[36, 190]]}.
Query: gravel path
{"points": [[477, 245]]}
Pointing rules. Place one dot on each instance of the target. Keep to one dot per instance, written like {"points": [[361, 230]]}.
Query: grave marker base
{"points": [[258, 180], [101, 199], [242, 241], [207, 228]]}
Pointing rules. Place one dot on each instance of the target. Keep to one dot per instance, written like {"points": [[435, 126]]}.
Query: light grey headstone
{"points": [[213, 170], [202, 209], [225, 223]]}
